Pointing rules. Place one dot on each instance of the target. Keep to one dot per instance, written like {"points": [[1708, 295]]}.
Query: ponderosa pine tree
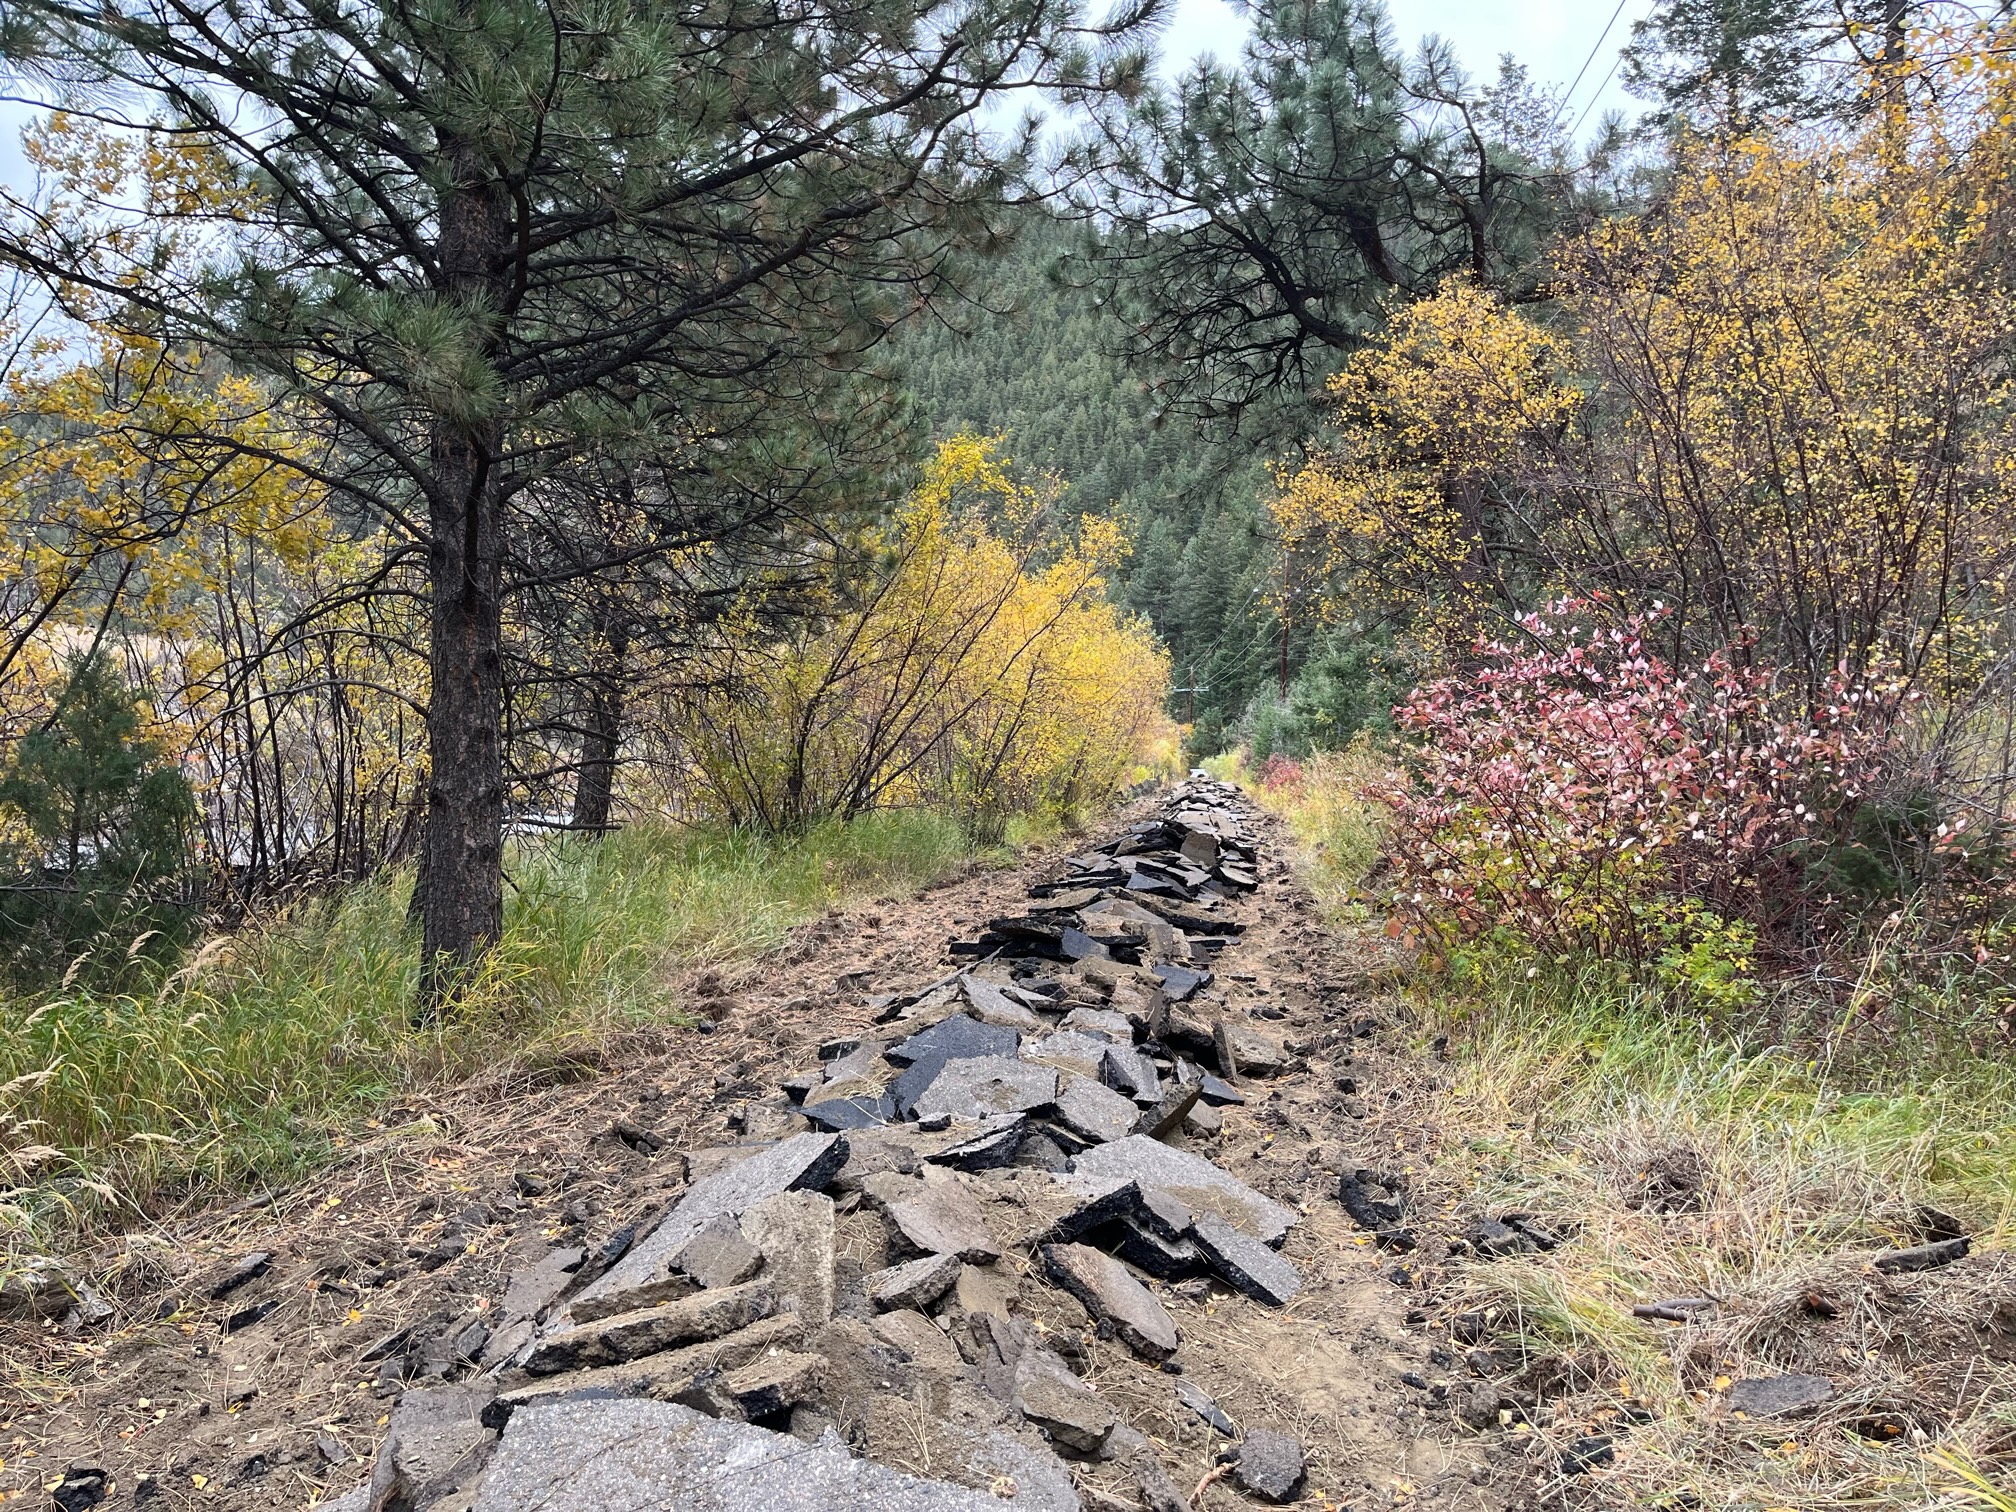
{"points": [[479, 242], [1261, 211]]}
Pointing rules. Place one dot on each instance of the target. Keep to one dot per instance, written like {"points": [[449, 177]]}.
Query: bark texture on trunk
{"points": [[462, 909]]}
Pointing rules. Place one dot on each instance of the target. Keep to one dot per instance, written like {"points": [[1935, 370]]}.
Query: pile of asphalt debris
{"points": [[834, 1312]]}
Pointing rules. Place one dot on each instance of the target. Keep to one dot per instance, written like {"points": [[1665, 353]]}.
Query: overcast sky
{"points": [[1553, 38]]}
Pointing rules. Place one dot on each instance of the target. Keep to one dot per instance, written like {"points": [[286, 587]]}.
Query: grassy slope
{"points": [[242, 1066], [1569, 1092]]}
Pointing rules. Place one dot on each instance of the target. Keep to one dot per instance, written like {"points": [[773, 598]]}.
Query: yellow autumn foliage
{"points": [[979, 668], [1776, 403], [132, 473]]}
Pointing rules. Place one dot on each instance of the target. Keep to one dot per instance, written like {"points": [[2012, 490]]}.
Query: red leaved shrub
{"points": [[1579, 791], [1279, 771]]}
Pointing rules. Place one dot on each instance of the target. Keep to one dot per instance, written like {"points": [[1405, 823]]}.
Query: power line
{"points": [[1601, 38], [1614, 63]]}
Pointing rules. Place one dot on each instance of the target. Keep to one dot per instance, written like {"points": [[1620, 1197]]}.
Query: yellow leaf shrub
{"points": [[1776, 402], [979, 667]]}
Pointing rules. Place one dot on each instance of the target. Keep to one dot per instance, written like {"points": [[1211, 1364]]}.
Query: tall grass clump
{"points": [[243, 1063]]}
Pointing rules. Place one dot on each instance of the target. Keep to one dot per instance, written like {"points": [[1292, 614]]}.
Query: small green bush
{"points": [[99, 858]]}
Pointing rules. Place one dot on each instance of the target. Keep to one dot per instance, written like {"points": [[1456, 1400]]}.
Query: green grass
{"points": [[1568, 1084], [246, 1062]]}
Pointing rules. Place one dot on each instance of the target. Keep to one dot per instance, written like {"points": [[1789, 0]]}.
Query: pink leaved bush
{"points": [[1578, 790], [1279, 771]]}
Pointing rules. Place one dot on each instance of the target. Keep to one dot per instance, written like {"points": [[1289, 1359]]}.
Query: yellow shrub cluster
{"points": [[979, 668]]}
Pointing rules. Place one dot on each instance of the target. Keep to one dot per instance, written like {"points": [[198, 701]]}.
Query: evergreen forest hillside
{"points": [[1032, 356]]}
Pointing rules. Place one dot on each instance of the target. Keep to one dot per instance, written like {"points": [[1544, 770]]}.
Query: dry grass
{"points": [[1323, 799], [1676, 1164]]}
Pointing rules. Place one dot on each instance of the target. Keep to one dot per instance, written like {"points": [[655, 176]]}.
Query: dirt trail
{"points": [[260, 1394]]}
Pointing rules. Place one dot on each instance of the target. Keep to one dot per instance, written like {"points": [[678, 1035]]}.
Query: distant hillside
{"points": [[1034, 363]]}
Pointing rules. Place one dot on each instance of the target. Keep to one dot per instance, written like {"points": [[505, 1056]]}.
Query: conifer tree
{"points": [[1262, 210], [1739, 65], [94, 825]]}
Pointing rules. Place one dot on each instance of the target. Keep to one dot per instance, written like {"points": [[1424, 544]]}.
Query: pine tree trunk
{"points": [[602, 732], [462, 910]]}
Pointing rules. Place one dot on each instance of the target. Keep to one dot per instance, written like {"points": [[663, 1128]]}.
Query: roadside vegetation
{"points": [[178, 1021], [1689, 840], [1756, 1154], [248, 1061]]}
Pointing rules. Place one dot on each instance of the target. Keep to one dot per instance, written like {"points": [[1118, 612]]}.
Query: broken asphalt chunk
{"points": [[717, 1256], [1198, 1402], [993, 1145], [1586, 1454], [617, 1456], [661, 1377], [1094, 1112], [647, 1330], [1493, 1239], [1177, 1104], [1257, 1054], [940, 1218], [245, 1317], [803, 1160], [435, 1446], [991, 1004], [774, 1384], [1923, 1256], [250, 1268], [1270, 1466], [1163, 1258], [1125, 1069], [925, 1054], [533, 1288], [1068, 1050], [1179, 982], [835, 1114], [1244, 1262], [958, 1037], [794, 1232], [988, 1084], [916, 1284], [1055, 1400], [1359, 1191], [1111, 1294], [1191, 1180], [1778, 1396]]}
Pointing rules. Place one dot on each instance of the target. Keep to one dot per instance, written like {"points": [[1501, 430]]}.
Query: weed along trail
{"points": [[1024, 1192]]}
